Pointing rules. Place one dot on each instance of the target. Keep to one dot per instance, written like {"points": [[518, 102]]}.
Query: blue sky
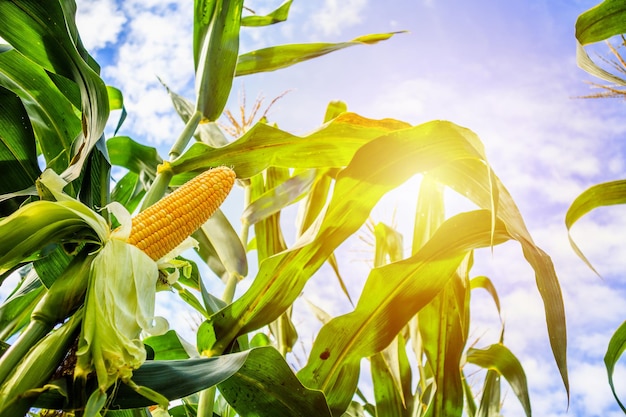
{"points": [[503, 69]]}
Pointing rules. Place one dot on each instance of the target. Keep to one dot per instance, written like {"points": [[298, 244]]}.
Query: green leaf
{"points": [[392, 295], [430, 212], [470, 405], [16, 309], [18, 156], [116, 102], [334, 109], [191, 375], [129, 191], [389, 399], [221, 247], [265, 385], [480, 187], [490, 400], [52, 116], [42, 222], [597, 24], [283, 56], [170, 346], [315, 200], [95, 181], [116, 99], [616, 347], [377, 167], [277, 198], [487, 285], [442, 327], [140, 159], [599, 195], [262, 146], [47, 35], [389, 246], [268, 232], [218, 47], [499, 358], [207, 132], [601, 22], [277, 16]]}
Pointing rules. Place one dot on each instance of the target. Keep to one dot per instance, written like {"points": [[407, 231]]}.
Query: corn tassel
{"points": [[163, 226]]}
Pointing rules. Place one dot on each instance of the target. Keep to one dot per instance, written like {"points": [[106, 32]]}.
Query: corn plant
{"points": [[79, 331], [606, 20]]}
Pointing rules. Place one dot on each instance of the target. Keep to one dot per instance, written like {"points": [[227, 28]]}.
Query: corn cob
{"points": [[163, 226]]}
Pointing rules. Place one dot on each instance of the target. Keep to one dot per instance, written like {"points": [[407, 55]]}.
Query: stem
{"points": [[185, 136], [229, 291], [162, 181], [245, 227], [157, 189], [35, 331], [206, 402]]}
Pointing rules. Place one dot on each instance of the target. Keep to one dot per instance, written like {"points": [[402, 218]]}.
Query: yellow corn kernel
{"points": [[166, 224]]}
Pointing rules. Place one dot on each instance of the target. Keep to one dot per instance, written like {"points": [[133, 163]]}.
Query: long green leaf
{"points": [[170, 346], [140, 159], [480, 187], [388, 397], [599, 195], [283, 56], [601, 22], [129, 191], [499, 358], [262, 146], [16, 309], [442, 325], [266, 386], [392, 295], [277, 16], [18, 157], [208, 133], [221, 247], [279, 197], [116, 102], [217, 59], [47, 34], [487, 285], [616, 347], [190, 376], [597, 24], [490, 400], [378, 167], [51, 115]]}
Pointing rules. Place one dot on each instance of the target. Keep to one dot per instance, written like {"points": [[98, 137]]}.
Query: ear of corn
{"points": [[166, 224]]}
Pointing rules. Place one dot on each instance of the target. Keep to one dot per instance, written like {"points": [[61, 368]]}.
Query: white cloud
{"points": [[99, 22], [156, 42], [336, 15], [591, 391]]}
